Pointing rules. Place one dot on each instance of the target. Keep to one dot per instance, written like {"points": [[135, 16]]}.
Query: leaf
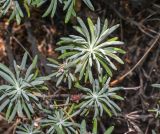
{"points": [[91, 27], [114, 57], [4, 87], [7, 70], [89, 4], [33, 97], [13, 113], [36, 82], [112, 39], [107, 32], [52, 7], [114, 104], [94, 131], [105, 26], [19, 109], [18, 18], [79, 30], [31, 67], [90, 74], [53, 61], [66, 54], [30, 107], [83, 127], [66, 4], [109, 130], [9, 110], [59, 131], [156, 85], [98, 27], [105, 66], [24, 60], [64, 48], [69, 12], [71, 109], [26, 109], [59, 80], [82, 70], [110, 43], [4, 104], [84, 28], [69, 82], [118, 97], [107, 110], [18, 9], [7, 78], [17, 70], [26, 6]]}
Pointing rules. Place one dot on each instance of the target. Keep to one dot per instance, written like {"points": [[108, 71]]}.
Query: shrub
{"points": [[18, 96], [99, 99], [85, 59]]}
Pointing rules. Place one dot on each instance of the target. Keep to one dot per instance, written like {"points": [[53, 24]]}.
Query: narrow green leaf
{"points": [[24, 60], [95, 125], [109, 130], [31, 67], [89, 4], [48, 11], [9, 110], [13, 114], [156, 85], [83, 127], [4, 104]]}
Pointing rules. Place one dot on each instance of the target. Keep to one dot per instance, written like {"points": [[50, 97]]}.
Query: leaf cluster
{"points": [[18, 95], [100, 99], [21, 9], [85, 58], [88, 56]]}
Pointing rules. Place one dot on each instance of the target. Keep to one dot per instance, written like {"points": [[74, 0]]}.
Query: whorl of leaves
{"points": [[92, 51], [18, 95], [99, 98]]}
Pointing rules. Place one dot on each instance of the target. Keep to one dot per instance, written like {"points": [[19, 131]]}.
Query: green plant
{"points": [[85, 57], [156, 85], [28, 129], [20, 9], [18, 96], [156, 111], [83, 129], [69, 6], [92, 50], [62, 72], [99, 99], [60, 119]]}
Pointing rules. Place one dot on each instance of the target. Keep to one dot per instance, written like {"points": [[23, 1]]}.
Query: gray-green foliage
{"points": [[28, 129], [58, 118], [86, 56], [92, 50], [99, 98], [62, 72], [18, 95], [156, 85], [19, 9], [83, 128], [156, 111]]}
